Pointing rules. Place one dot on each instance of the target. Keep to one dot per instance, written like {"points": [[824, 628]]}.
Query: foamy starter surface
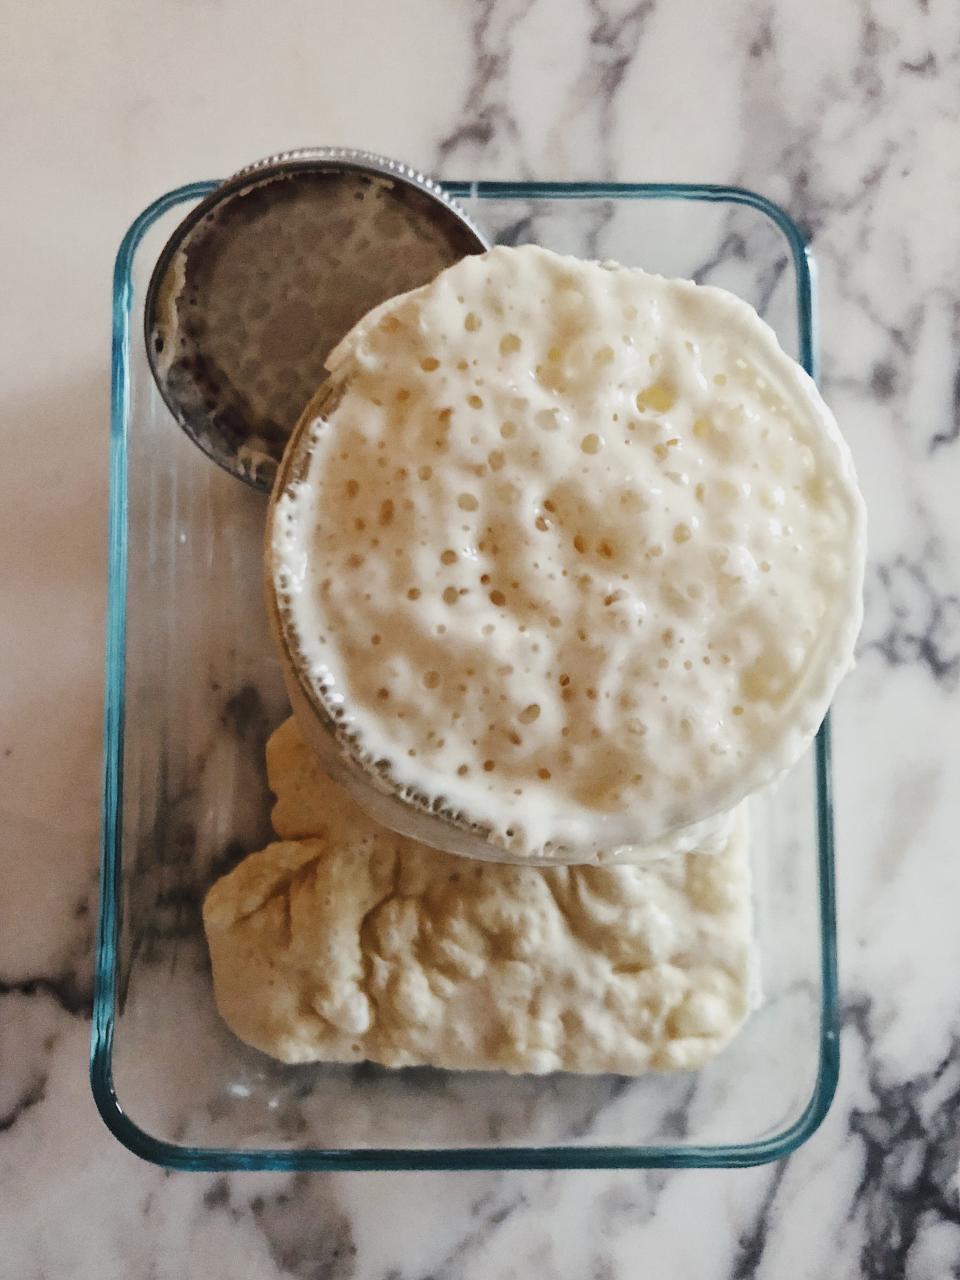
{"points": [[580, 551]]}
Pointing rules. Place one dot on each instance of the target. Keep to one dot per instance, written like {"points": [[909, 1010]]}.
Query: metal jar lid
{"points": [[263, 277]]}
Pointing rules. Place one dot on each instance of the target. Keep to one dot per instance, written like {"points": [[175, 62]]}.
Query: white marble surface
{"points": [[849, 114]]}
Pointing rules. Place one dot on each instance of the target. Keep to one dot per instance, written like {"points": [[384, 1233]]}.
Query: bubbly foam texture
{"points": [[577, 556]]}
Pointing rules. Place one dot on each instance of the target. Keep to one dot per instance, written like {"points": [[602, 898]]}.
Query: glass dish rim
{"points": [[224, 1159]]}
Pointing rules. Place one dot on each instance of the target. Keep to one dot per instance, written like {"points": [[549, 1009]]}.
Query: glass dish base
{"points": [[193, 690]]}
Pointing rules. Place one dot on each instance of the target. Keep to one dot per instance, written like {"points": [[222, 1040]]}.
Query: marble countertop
{"points": [[849, 115]]}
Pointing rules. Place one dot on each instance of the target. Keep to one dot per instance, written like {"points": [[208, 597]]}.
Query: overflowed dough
{"points": [[344, 942]]}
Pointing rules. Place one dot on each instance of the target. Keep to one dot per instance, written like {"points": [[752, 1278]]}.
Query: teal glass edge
{"points": [[216, 1159]]}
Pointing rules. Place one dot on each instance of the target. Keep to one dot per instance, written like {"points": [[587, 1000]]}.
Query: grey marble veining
{"points": [[849, 115]]}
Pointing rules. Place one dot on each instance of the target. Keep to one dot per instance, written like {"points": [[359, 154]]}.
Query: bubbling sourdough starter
{"points": [[578, 555]]}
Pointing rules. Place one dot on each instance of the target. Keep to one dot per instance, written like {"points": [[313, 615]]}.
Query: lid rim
{"points": [[353, 158], [297, 160]]}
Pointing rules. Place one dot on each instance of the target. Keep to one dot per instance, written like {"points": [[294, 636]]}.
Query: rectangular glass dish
{"points": [[193, 690]]}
